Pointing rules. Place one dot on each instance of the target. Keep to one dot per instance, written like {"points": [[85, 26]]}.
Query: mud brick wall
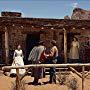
{"points": [[11, 14], [18, 28], [16, 37]]}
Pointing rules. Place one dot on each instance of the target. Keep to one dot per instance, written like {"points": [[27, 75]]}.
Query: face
{"points": [[87, 39], [74, 39], [19, 47]]}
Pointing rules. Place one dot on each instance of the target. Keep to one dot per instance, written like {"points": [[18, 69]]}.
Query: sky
{"points": [[43, 8]]}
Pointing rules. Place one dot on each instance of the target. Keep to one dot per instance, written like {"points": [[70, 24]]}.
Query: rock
{"points": [[80, 14], [66, 17], [1, 73]]}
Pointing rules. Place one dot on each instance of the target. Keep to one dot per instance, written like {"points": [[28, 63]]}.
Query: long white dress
{"points": [[74, 50], [18, 61]]}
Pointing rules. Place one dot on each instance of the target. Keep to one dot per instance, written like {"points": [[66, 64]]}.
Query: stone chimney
{"points": [[11, 14]]}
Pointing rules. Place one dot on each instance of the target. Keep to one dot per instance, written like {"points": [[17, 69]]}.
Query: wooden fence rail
{"points": [[82, 75]]}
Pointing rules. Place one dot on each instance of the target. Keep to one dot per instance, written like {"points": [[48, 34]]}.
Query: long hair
{"points": [[75, 38], [53, 42]]}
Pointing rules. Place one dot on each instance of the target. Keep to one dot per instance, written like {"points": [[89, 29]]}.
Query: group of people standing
{"points": [[37, 56]]}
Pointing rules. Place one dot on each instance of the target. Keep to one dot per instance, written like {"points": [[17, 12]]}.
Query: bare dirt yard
{"points": [[8, 83]]}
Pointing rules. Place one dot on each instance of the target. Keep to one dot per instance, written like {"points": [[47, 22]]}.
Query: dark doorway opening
{"points": [[70, 37], [31, 41], [69, 40]]}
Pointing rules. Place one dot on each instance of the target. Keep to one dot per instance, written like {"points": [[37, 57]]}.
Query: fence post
{"points": [[17, 79], [83, 76]]}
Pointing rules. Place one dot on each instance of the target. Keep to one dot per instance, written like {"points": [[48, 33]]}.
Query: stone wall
{"points": [[49, 29]]}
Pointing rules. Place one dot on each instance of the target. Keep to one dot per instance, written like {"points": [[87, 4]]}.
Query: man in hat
{"points": [[36, 56], [53, 60]]}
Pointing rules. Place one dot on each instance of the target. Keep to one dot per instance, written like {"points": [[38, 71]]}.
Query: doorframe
{"points": [[26, 56]]}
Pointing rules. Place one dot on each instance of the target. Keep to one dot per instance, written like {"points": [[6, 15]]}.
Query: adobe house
{"points": [[15, 29]]}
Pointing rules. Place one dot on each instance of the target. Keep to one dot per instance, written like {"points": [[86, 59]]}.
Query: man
{"points": [[36, 58], [53, 60], [33, 55]]}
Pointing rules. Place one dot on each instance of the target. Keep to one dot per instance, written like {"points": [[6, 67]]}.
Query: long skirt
{"points": [[74, 53], [18, 61], [38, 72]]}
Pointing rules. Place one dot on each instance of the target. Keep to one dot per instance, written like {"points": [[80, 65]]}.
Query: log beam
{"points": [[65, 45], [6, 45], [45, 65]]}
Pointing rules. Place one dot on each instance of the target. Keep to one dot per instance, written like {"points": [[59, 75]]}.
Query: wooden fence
{"points": [[82, 75]]}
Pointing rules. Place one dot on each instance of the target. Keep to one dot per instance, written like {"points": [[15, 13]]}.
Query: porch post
{"points": [[6, 45], [65, 45]]}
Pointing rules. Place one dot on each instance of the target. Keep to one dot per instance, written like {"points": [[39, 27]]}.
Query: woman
{"points": [[74, 51], [18, 61], [53, 60]]}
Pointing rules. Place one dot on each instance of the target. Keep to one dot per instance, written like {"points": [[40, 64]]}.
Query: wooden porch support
{"points": [[75, 71], [17, 80], [65, 45], [6, 45], [83, 76]]}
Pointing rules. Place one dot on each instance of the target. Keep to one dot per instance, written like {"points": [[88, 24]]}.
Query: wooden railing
{"points": [[82, 75]]}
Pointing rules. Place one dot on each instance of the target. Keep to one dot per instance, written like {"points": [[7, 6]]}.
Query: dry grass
{"points": [[72, 84], [68, 80], [22, 85], [62, 77]]}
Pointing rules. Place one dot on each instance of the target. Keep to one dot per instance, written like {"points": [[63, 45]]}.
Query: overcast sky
{"points": [[43, 8]]}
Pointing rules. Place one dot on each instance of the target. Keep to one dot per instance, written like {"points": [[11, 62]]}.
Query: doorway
{"points": [[70, 37], [69, 40], [31, 41]]}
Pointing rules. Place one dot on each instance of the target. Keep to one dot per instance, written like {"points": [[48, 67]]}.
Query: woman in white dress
{"points": [[74, 51], [17, 61]]}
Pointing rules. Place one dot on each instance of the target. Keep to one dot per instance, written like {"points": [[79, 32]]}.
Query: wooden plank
{"points": [[80, 75], [87, 74], [46, 65], [83, 77]]}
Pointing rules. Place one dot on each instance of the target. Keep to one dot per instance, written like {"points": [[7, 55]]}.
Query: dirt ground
{"points": [[7, 83]]}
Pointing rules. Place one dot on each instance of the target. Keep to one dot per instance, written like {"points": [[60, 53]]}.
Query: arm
{"points": [[22, 55], [14, 54], [78, 45], [52, 52], [71, 44], [32, 54]]}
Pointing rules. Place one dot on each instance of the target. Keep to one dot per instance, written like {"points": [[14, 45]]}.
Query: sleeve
{"points": [[78, 44], [52, 51], [14, 54], [32, 54], [71, 43], [22, 55]]}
